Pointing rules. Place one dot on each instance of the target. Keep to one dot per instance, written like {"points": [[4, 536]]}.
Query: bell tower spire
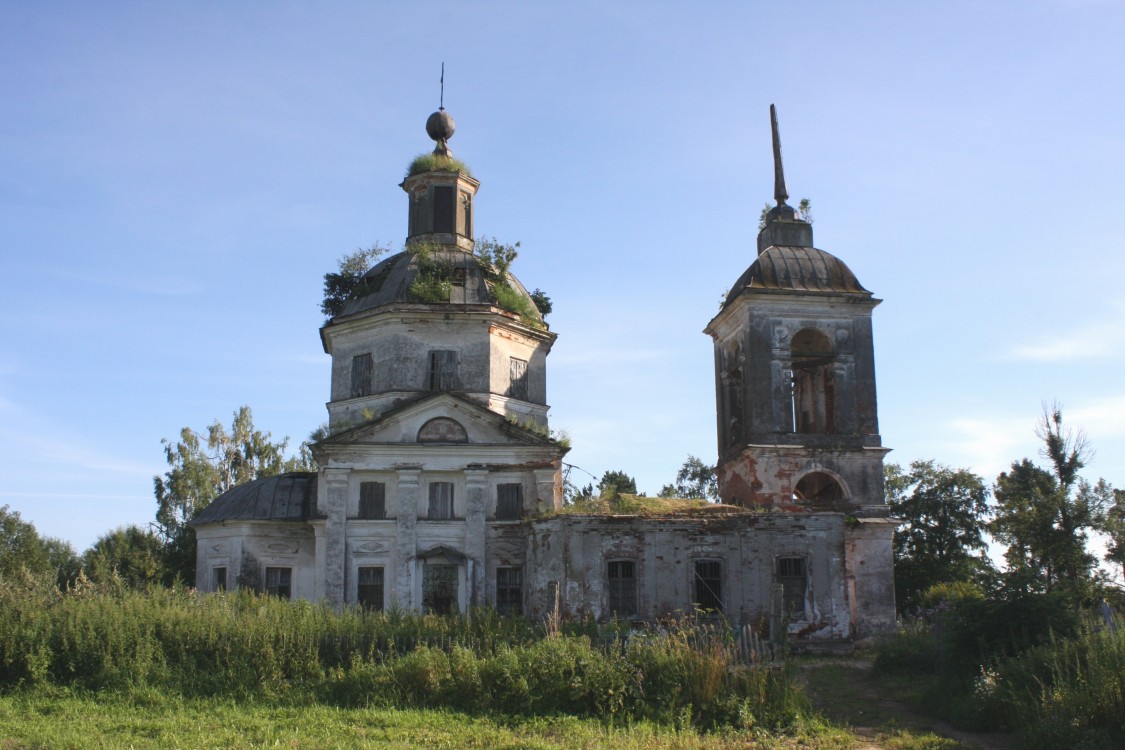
{"points": [[779, 192], [783, 225]]}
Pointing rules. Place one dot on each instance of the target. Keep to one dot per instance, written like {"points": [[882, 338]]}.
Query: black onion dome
{"points": [[285, 497], [392, 282], [798, 269]]}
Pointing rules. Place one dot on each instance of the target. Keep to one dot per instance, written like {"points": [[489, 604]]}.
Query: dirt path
{"points": [[846, 692]]}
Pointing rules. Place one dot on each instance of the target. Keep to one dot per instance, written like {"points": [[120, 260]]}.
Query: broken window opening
{"points": [[517, 379], [219, 578], [439, 588], [819, 488], [442, 375], [621, 576], [443, 209], [792, 574], [708, 586], [812, 383], [509, 591], [279, 582], [372, 500], [467, 215], [441, 501], [362, 367], [509, 502], [369, 588]]}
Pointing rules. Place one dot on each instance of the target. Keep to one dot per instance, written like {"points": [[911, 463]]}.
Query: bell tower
{"points": [[795, 375]]}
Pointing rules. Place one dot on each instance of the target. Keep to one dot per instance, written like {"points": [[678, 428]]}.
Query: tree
{"points": [[614, 483], [542, 301], [339, 286], [942, 537], [1115, 529], [22, 549], [133, 554], [1044, 515], [695, 479], [202, 469]]}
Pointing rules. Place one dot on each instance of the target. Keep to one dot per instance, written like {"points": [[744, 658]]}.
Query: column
{"points": [[548, 491], [476, 504], [334, 507], [406, 542]]}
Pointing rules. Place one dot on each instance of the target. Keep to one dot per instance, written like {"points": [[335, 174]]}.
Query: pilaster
{"points": [[334, 507], [476, 502], [548, 492], [406, 542]]}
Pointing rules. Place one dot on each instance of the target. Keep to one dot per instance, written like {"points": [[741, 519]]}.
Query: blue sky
{"points": [[176, 178]]}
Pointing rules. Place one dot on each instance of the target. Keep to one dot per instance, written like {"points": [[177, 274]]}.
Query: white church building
{"points": [[440, 488]]}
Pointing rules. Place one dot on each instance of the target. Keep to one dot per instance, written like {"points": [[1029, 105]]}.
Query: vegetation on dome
{"points": [[436, 163], [639, 505]]}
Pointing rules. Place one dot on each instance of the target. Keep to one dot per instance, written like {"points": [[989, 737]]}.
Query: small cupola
{"points": [[441, 191], [784, 227]]}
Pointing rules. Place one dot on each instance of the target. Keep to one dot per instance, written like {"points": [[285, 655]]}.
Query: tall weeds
{"points": [[250, 647]]}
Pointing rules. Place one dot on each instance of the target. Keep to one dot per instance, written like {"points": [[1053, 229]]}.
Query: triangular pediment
{"points": [[439, 419]]}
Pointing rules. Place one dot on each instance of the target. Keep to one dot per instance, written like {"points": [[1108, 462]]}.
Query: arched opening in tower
{"points": [[819, 488], [813, 399]]}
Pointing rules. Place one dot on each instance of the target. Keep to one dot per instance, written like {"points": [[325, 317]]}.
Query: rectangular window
{"points": [[622, 578], [372, 500], [443, 209], [509, 591], [709, 585], [792, 574], [361, 375], [219, 579], [279, 582], [442, 375], [441, 501], [439, 588], [369, 589], [517, 370], [509, 502]]}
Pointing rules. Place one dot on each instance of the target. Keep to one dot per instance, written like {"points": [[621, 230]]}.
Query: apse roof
{"points": [[285, 497]]}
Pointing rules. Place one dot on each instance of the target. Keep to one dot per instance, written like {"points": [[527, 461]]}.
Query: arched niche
{"points": [[820, 489], [812, 361], [442, 430]]}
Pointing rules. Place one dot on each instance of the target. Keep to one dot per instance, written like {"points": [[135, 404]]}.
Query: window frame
{"points": [[372, 501], [711, 599], [217, 584], [363, 375], [376, 600], [453, 574], [283, 582], [509, 592], [622, 590], [435, 511], [509, 508], [789, 585], [518, 386], [441, 374]]}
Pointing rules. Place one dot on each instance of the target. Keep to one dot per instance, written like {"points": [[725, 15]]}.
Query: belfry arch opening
{"points": [[819, 488], [813, 391]]}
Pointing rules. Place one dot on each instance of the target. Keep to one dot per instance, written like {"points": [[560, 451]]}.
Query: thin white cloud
{"points": [[1093, 340]]}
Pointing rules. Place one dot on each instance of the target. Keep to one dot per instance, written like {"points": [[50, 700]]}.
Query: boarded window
{"points": [[372, 500], [622, 579], [442, 375], [361, 375], [439, 588], [467, 209], [441, 501], [509, 502], [369, 588], [219, 579], [709, 585], [517, 387], [792, 574], [509, 591], [443, 209], [279, 582]]}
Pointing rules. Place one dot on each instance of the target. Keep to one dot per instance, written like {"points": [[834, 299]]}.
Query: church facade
{"points": [[440, 486]]}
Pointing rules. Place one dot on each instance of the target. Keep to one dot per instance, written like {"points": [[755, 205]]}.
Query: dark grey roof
{"points": [[286, 497], [389, 282], [798, 269]]}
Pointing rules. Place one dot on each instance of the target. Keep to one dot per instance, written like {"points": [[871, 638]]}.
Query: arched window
{"points": [[814, 383], [819, 488]]}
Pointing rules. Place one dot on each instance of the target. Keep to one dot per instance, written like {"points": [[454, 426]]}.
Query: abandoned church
{"points": [[440, 487]]}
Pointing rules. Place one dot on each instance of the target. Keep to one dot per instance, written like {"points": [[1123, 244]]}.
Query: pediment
{"points": [[440, 419]]}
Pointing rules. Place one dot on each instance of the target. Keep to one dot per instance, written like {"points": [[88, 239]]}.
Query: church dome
{"points": [[441, 276], [797, 269]]}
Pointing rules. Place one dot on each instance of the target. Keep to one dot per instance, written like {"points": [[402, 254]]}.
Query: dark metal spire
{"points": [[779, 192], [441, 101]]}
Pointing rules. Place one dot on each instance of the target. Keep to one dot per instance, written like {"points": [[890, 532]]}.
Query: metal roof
{"points": [[798, 269], [286, 497]]}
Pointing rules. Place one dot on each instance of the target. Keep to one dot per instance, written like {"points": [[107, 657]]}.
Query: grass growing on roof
{"points": [[436, 163], [639, 505]]}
